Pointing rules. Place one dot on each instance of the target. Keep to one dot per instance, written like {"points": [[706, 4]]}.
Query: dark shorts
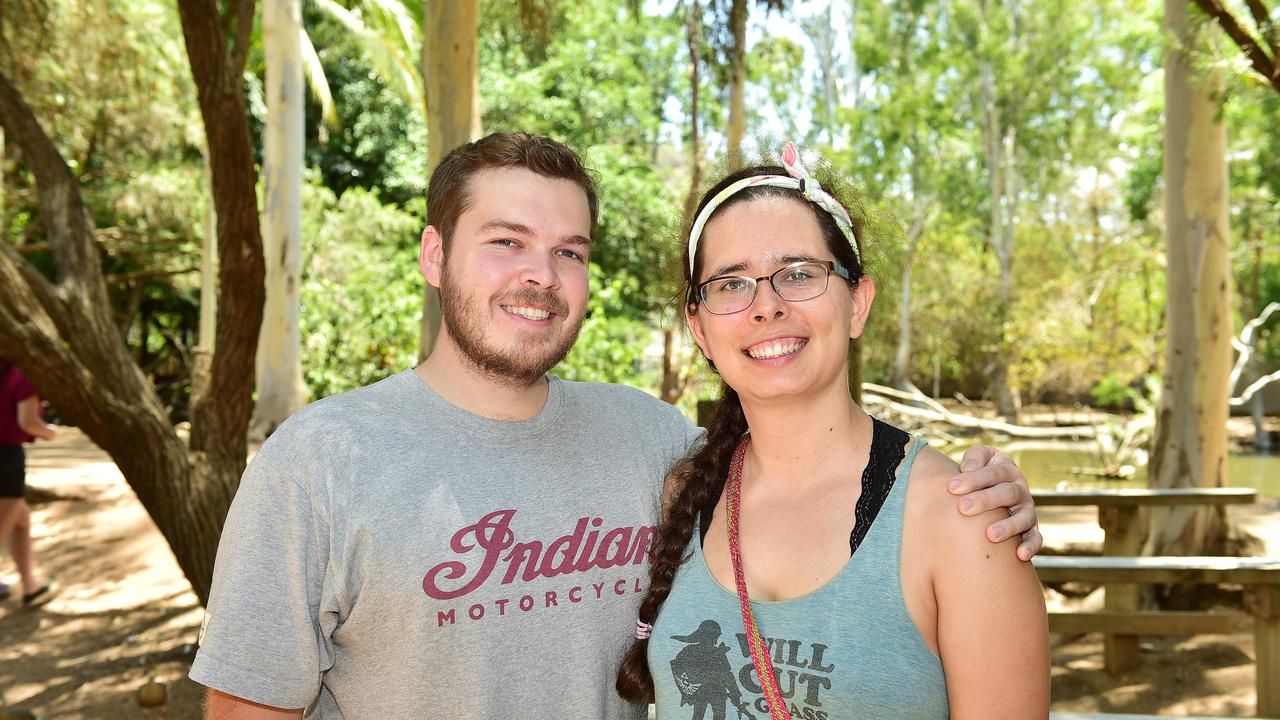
{"points": [[13, 472]]}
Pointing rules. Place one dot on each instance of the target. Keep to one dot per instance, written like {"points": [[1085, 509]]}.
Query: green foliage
{"points": [[1080, 83], [382, 141], [361, 291], [611, 346]]}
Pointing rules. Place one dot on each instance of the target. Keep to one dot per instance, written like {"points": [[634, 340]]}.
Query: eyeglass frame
{"points": [[830, 266]]}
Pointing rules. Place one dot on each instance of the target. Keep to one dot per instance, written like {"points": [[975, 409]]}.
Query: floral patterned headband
{"points": [[797, 178]]}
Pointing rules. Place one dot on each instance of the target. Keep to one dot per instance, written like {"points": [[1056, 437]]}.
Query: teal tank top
{"points": [[846, 651]]}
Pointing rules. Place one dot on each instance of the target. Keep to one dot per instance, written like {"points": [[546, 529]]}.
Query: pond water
{"points": [[1046, 465]]}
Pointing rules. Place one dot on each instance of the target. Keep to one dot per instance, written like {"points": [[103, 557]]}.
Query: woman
{"points": [[807, 542], [20, 422]]}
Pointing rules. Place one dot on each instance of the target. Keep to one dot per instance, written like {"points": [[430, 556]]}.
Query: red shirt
{"points": [[14, 388]]}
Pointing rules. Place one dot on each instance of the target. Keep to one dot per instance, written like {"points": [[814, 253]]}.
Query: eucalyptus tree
{"points": [[728, 34], [1040, 87], [451, 66], [1190, 447], [1260, 44], [279, 361]]}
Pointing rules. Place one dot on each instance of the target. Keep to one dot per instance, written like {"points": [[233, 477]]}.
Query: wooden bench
{"points": [[1120, 514], [1259, 576]]}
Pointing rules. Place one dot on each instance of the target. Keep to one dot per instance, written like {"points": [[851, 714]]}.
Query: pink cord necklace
{"points": [[755, 641]]}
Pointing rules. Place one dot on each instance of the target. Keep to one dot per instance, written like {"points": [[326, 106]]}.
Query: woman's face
{"points": [[776, 348]]}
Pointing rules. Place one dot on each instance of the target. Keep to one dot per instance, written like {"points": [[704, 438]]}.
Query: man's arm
{"points": [[221, 706], [988, 480]]}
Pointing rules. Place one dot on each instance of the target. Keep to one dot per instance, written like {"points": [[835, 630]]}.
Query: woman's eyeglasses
{"points": [[729, 294]]}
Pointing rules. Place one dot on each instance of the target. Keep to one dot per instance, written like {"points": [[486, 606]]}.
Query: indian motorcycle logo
{"points": [[489, 553]]}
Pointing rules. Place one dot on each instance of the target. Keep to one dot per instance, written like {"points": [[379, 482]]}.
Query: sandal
{"points": [[39, 596]]}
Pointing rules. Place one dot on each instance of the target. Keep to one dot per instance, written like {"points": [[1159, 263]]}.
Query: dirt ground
{"points": [[124, 613]]}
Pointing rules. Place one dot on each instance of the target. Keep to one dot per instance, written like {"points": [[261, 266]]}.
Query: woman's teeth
{"points": [[527, 312], [776, 348]]}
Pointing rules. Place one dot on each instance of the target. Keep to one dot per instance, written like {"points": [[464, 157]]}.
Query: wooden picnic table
{"points": [[1120, 514]]}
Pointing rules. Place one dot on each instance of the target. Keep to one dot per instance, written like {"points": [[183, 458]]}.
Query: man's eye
{"points": [[571, 254], [506, 242]]}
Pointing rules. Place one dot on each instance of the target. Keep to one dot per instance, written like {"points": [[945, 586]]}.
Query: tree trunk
{"points": [[737, 84], [64, 338], [902, 359], [279, 362], [674, 379], [996, 149], [202, 353], [1190, 448], [822, 33], [450, 65]]}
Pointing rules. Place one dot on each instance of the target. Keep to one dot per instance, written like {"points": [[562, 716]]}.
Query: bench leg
{"points": [[1122, 536], [1263, 603]]}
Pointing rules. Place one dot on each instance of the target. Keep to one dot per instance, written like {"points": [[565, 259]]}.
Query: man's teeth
{"points": [[527, 312], [774, 349]]}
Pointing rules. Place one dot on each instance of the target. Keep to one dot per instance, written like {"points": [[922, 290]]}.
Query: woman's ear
{"points": [[862, 295], [693, 319]]}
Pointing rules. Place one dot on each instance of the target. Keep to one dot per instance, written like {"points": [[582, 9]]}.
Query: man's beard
{"points": [[519, 366]]}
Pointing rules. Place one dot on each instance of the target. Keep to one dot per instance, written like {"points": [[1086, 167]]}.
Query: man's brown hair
{"points": [[449, 191]]}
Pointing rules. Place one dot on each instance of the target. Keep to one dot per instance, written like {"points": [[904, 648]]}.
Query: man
{"points": [[466, 539]]}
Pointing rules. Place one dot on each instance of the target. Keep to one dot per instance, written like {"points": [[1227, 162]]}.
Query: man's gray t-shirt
{"points": [[397, 557]]}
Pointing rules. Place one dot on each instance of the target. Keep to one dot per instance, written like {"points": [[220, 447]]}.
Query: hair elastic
{"points": [[643, 630]]}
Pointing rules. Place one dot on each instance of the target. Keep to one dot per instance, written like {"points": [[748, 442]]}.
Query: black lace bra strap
{"points": [[888, 448]]}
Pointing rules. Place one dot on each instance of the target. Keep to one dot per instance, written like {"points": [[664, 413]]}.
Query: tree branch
{"points": [[1266, 28], [220, 417], [66, 224], [1262, 64], [240, 50]]}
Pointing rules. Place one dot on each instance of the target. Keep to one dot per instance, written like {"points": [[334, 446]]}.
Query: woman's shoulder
{"points": [[938, 510]]}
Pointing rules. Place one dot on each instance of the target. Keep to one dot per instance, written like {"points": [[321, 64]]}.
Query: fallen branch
{"points": [[1245, 345], [871, 396]]}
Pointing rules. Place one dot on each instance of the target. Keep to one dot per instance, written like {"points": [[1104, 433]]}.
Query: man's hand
{"points": [[988, 479]]}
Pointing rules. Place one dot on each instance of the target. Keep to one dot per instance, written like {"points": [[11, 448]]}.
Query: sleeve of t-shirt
{"points": [[683, 436], [22, 387], [263, 638]]}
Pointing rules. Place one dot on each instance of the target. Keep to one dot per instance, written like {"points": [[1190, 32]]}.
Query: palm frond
{"points": [[317, 82], [386, 55]]}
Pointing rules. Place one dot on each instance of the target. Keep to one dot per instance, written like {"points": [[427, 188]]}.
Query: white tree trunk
{"points": [[202, 353], [279, 382], [998, 147], [451, 68], [209, 266], [1190, 447], [822, 33], [902, 360]]}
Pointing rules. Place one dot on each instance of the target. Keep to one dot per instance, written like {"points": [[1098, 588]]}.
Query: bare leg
{"points": [[15, 525]]}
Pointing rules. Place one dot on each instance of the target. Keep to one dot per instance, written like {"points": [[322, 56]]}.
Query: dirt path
{"points": [[123, 610]]}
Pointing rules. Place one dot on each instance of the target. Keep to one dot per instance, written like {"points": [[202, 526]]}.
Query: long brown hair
{"points": [[697, 480]]}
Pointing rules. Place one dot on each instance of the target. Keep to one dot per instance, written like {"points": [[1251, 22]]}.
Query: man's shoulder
{"points": [[623, 399], [344, 414]]}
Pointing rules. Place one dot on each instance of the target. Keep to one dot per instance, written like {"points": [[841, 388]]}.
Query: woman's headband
{"points": [[797, 178]]}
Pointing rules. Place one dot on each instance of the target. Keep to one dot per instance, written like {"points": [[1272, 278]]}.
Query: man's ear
{"points": [[431, 256], [862, 295]]}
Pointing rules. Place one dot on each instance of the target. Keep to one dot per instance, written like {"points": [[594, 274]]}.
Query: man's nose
{"points": [[540, 270]]}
